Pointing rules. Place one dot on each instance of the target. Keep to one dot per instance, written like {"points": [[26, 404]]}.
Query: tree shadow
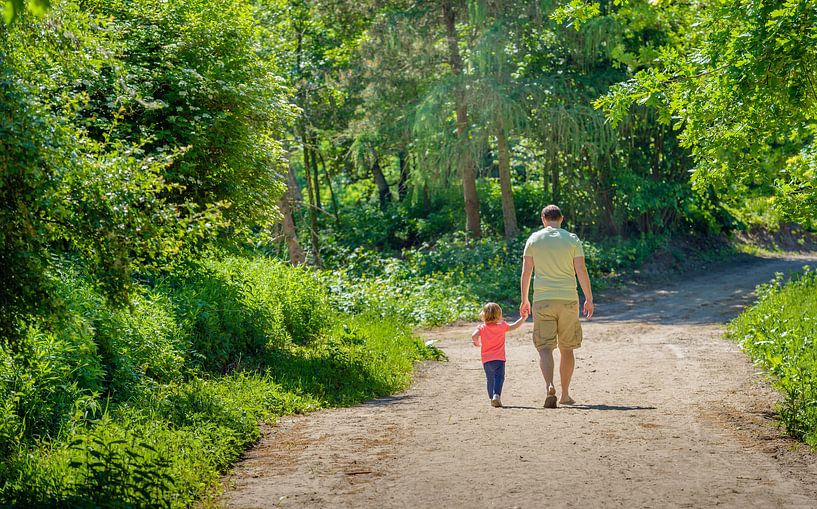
{"points": [[389, 400], [620, 408]]}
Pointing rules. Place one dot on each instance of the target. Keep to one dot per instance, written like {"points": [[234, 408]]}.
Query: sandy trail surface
{"points": [[669, 414]]}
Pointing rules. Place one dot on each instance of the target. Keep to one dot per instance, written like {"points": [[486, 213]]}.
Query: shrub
{"points": [[109, 407], [236, 310], [780, 334]]}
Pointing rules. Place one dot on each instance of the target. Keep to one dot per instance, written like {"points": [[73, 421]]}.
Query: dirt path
{"points": [[670, 415]]}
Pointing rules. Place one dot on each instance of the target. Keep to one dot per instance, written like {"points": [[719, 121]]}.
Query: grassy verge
{"points": [[780, 334], [146, 406]]}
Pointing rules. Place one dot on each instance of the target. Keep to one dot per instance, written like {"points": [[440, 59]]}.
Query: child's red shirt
{"points": [[492, 337]]}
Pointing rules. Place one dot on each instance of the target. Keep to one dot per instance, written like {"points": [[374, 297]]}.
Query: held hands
{"points": [[524, 308]]}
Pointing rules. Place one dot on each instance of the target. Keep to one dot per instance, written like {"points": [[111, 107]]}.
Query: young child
{"points": [[491, 337]]}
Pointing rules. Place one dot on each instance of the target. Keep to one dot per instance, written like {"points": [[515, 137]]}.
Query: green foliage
{"points": [[741, 88], [236, 309], [133, 130], [779, 333], [575, 13], [146, 405], [451, 279]]}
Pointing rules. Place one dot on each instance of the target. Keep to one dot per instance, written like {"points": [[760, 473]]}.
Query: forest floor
{"points": [[669, 414]]}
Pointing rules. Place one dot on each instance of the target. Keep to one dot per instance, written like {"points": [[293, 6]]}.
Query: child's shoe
{"points": [[495, 401]]}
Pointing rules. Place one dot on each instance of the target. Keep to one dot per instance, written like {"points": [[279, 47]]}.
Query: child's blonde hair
{"points": [[491, 312]]}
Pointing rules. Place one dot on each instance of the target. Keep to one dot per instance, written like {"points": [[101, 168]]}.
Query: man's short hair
{"points": [[551, 213]]}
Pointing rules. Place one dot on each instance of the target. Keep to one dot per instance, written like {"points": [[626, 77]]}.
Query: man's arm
{"points": [[584, 281], [527, 271]]}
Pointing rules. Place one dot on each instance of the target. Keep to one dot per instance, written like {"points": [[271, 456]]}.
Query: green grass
{"points": [[146, 406], [780, 334]]}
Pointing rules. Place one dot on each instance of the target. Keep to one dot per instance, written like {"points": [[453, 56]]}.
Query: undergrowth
{"points": [[451, 279], [780, 334], [145, 406]]}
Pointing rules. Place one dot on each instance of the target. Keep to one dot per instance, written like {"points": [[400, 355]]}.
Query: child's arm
{"points": [[515, 325], [475, 337]]}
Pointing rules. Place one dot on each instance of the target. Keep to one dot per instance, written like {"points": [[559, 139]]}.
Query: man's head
{"points": [[551, 214]]}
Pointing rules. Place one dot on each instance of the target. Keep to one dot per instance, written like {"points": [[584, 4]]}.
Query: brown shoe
{"points": [[550, 401]]}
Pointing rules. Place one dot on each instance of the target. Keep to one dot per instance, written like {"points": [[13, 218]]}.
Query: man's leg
{"points": [[546, 365], [570, 337], [566, 365]]}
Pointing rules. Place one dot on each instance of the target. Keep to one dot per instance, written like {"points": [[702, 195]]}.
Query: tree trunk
{"points": [[426, 199], [658, 150], [608, 220], [508, 208], [554, 183], [296, 254], [335, 207], [468, 173], [402, 184], [316, 186], [383, 190], [313, 212]]}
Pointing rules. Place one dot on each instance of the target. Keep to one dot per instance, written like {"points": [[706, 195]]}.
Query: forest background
{"points": [[214, 213]]}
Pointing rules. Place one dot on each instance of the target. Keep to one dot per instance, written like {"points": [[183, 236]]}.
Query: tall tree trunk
{"points": [[286, 203], [382, 186], [658, 149], [335, 207], [426, 199], [467, 171], [315, 176], [313, 211], [402, 184], [508, 208], [608, 221], [554, 183]]}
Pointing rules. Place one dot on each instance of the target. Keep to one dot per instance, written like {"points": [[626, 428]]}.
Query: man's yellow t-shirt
{"points": [[553, 250]]}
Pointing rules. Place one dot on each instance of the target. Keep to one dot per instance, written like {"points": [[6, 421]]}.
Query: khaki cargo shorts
{"points": [[556, 323]]}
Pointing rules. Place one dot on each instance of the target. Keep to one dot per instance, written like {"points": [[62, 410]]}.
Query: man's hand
{"points": [[588, 308], [524, 308]]}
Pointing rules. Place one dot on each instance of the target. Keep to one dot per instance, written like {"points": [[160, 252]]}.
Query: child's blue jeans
{"points": [[495, 373]]}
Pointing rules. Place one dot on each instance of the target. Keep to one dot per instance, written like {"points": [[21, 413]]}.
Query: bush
{"points": [[235, 310], [780, 334], [111, 407]]}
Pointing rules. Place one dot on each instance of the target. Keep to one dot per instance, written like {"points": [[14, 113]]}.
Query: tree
{"points": [[151, 133], [465, 160], [746, 104]]}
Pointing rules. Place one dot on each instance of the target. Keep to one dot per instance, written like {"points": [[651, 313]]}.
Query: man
{"points": [[556, 258]]}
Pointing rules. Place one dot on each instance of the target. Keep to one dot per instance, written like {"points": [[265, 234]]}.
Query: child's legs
{"points": [[495, 376], [490, 371], [499, 377]]}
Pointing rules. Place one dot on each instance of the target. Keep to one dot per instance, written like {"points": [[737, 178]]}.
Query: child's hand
{"points": [[525, 314], [476, 342]]}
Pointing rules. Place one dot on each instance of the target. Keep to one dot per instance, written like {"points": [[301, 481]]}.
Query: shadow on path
{"points": [[608, 407], [389, 400]]}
